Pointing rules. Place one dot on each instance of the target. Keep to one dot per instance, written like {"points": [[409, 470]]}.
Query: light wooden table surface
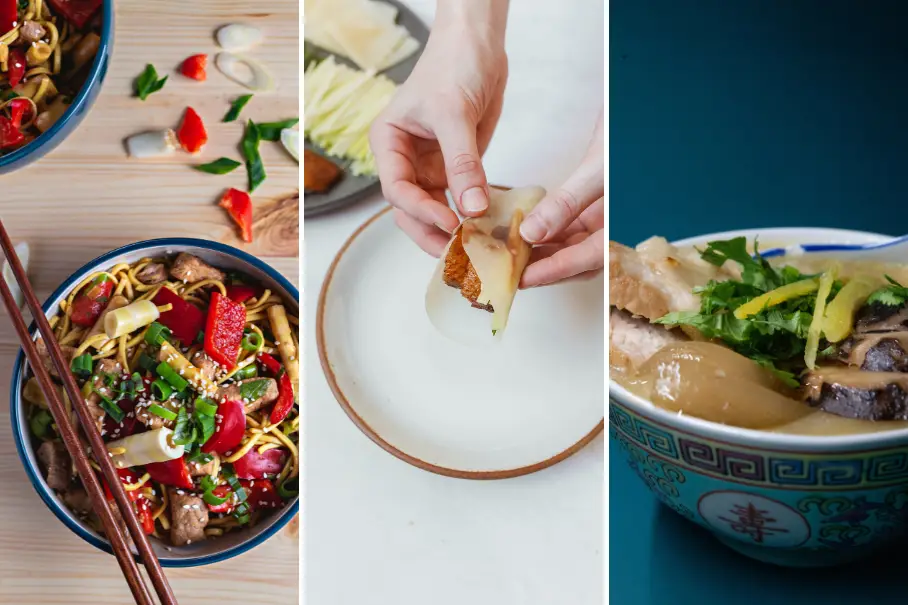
{"points": [[87, 197]]}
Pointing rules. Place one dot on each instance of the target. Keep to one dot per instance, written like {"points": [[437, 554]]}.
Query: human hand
{"points": [[432, 135], [570, 224]]}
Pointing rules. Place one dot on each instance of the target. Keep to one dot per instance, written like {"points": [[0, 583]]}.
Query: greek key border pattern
{"points": [[753, 467]]}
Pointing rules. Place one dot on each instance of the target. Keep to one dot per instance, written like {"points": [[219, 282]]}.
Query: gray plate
{"points": [[353, 188]]}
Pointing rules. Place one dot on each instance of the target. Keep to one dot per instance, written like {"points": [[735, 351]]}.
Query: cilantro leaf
{"points": [[254, 389], [893, 295]]}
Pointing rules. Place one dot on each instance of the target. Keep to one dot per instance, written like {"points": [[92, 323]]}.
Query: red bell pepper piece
{"points": [[9, 15], [146, 515], [77, 12], [18, 111], [229, 428], [239, 206], [240, 293], [128, 477], [173, 472], [270, 363], [118, 430], [10, 136], [15, 66], [257, 466], [285, 398], [194, 67], [185, 320], [224, 329], [284, 402], [260, 494], [191, 133], [91, 302]]}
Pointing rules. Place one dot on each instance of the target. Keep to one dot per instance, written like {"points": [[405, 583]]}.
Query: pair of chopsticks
{"points": [[118, 540]]}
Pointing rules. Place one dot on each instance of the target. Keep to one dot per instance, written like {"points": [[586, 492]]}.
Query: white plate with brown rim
{"points": [[507, 409]]}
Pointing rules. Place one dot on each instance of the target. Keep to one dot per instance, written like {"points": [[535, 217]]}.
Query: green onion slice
{"points": [[81, 366], [161, 390], [170, 375], [112, 409], [255, 169], [40, 424], [183, 431], [162, 412], [252, 342], [156, 334], [289, 488], [250, 371], [271, 131], [236, 107], [206, 406], [147, 363], [219, 166]]}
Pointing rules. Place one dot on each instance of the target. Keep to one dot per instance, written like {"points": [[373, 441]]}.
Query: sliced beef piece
{"points": [[152, 273], [459, 273], [31, 31], [886, 356], [200, 470], [888, 403], [206, 365], [45, 356], [77, 500], [877, 317], [188, 517], [233, 392], [57, 464], [191, 269]]}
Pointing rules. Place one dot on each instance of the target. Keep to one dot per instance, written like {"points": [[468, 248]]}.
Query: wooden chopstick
{"points": [[114, 532]]}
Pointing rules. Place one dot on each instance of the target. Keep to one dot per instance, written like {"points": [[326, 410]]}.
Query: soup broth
{"points": [[711, 381]]}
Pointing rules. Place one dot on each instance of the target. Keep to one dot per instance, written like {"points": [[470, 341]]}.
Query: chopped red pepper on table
{"points": [[239, 206], [91, 302], [224, 329], [194, 67], [172, 472], [185, 320], [192, 134]]}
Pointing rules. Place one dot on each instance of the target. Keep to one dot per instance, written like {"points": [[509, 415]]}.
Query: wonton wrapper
{"points": [[499, 255]]}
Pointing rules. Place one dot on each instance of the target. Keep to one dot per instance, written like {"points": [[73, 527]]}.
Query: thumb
{"points": [[557, 211], [463, 166]]}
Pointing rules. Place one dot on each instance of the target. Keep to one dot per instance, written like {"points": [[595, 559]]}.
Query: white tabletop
{"points": [[378, 531]]}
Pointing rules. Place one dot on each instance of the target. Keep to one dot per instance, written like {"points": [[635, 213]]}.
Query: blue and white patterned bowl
{"points": [[79, 108], [785, 499], [199, 553]]}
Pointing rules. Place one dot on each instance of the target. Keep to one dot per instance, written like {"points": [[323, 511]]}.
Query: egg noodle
{"points": [[260, 434]]}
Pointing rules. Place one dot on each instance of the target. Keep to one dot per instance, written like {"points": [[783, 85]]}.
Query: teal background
{"points": [[730, 114]]}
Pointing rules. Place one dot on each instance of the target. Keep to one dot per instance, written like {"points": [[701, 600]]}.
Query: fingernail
{"points": [[474, 200], [532, 229]]}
